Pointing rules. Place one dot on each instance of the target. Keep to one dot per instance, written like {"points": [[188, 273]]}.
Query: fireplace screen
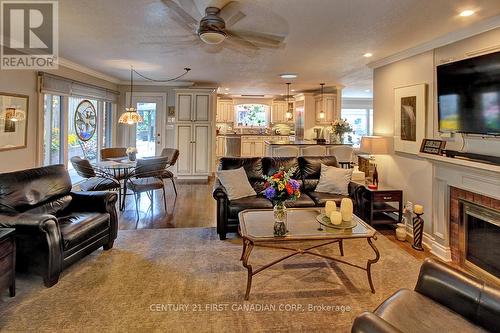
{"points": [[482, 237]]}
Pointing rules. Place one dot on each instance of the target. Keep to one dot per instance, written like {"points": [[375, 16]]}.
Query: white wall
{"points": [[409, 172]]}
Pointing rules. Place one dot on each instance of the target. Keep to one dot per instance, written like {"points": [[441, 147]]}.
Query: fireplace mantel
{"points": [[480, 178], [461, 162]]}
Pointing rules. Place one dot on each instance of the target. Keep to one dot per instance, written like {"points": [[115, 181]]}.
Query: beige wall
{"points": [[25, 82], [409, 172]]}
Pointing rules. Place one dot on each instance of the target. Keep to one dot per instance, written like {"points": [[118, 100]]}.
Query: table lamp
{"points": [[374, 145]]}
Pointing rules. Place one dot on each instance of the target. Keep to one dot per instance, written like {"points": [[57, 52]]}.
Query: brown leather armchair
{"points": [[54, 226], [444, 300]]}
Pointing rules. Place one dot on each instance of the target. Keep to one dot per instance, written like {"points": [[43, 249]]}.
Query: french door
{"points": [[149, 136]]}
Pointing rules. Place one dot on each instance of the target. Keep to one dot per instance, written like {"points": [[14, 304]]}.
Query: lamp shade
{"points": [[130, 117], [374, 145]]}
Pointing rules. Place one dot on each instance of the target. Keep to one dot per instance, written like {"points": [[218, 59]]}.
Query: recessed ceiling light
{"points": [[288, 76], [226, 93], [467, 12], [226, 89], [293, 89], [367, 55]]}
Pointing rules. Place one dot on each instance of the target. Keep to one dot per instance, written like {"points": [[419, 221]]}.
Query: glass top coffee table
{"points": [[256, 229]]}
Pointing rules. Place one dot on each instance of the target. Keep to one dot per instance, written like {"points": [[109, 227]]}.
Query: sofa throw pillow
{"points": [[236, 183], [334, 180]]}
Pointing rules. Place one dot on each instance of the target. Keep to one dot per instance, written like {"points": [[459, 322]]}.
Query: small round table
{"points": [[119, 170]]}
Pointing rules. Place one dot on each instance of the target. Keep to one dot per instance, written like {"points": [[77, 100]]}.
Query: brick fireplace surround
{"points": [[455, 215]]}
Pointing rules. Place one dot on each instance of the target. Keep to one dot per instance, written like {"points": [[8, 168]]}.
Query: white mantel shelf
{"points": [[461, 162]]}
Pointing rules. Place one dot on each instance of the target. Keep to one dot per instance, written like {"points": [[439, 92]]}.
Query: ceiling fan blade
{"points": [[235, 39], [262, 39], [182, 17], [231, 13]]}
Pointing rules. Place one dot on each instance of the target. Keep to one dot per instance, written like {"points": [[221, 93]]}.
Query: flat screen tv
{"points": [[469, 95]]}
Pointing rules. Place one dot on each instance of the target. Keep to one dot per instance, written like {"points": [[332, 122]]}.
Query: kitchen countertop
{"points": [[302, 143]]}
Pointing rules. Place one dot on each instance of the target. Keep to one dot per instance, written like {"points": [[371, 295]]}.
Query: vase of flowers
{"points": [[339, 128], [280, 188], [132, 153]]}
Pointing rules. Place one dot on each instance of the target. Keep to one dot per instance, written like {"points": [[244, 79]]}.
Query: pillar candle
{"points": [[336, 218], [418, 209], [330, 206], [346, 209]]}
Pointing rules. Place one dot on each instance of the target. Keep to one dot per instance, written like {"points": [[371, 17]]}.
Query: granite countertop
{"points": [[302, 143]]}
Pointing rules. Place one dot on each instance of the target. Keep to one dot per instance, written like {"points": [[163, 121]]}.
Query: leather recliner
{"points": [[308, 173], [54, 226], [444, 300]]}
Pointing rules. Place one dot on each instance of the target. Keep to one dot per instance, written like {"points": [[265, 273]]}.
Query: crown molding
{"points": [[158, 84], [454, 36], [86, 70]]}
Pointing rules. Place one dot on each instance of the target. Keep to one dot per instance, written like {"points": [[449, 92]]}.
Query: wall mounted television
{"points": [[469, 95]]}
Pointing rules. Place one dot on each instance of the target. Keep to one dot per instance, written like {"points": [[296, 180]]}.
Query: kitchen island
{"points": [[280, 148]]}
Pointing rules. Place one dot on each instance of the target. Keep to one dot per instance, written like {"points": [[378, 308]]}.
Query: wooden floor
{"points": [[195, 207]]}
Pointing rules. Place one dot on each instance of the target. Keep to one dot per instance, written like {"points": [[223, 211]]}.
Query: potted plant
{"points": [[280, 188], [339, 128], [132, 153]]}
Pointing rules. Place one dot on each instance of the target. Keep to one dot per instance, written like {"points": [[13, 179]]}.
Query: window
{"points": [[252, 115], [107, 124], [361, 121], [52, 134]]}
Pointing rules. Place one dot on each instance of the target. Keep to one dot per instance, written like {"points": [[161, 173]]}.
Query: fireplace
{"points": [[479, 242], [475, 232]]}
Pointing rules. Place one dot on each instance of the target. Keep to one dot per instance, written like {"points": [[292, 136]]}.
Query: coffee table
{"points": [[256, 229]]}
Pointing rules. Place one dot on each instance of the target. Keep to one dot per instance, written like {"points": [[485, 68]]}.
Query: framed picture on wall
{"points": [[13, 121], [410, 106]]}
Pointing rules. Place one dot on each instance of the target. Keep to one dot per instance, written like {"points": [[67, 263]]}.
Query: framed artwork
{"points": [[410, 107], [13, 121]]}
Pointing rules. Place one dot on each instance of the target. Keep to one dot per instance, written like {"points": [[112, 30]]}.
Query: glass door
{"points": [[147, 136]]}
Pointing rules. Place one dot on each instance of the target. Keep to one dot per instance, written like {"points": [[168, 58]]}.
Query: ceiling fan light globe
{"points": [[212, 37]]}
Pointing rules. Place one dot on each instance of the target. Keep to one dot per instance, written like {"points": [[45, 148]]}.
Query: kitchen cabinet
{"points": [[194, 133], [193, 107], [254, 146], [221, 146], [225, 111], [329, 106], [278, 112]]}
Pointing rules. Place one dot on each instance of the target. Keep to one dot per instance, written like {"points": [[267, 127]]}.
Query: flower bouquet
{"points": [[280, 187], [341, 127], [132, 153]]}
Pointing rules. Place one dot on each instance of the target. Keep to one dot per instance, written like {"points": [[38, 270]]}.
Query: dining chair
{"points": [[173, 155], [95, 179], [147, 177], [113, 153], [286, 151]]}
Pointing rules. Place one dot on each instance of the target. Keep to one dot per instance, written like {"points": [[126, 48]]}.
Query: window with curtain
{"points": [[252, 115], [52, 130], [359, 113]]}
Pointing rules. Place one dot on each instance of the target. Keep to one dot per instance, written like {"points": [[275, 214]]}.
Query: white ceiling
{"points": [[325, 39]]}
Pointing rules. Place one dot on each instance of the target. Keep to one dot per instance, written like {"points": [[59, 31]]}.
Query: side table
{"points": [[377, 205], [8, 260]]}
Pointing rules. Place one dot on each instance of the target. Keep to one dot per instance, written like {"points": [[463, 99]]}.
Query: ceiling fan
{"points": [[216, 26]]}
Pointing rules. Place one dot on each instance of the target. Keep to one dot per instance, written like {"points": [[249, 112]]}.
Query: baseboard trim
{"points": [[440, 251]]}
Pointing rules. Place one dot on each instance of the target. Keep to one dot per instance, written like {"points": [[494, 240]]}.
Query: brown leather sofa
{"points": [[54, 226], [308, 173], [444, 300]]}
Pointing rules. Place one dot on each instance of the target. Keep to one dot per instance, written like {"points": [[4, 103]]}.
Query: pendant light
{"points": [[322, 112], [130, 116], [289, 110]]}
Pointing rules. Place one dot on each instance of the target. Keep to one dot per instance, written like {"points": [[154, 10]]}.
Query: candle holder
{"points": [[418, 231]]}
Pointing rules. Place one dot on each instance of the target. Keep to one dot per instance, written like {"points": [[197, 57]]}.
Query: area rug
{"points": [[186, 280]]}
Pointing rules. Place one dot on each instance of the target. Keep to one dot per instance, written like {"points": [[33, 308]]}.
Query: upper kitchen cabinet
{"points": [[278, 112], [193, 106], [327, 104], [225, 111]]}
